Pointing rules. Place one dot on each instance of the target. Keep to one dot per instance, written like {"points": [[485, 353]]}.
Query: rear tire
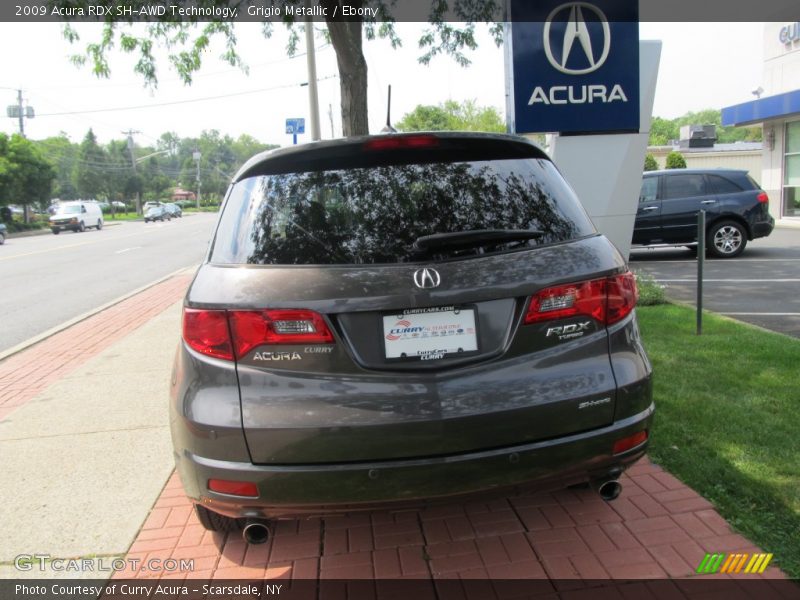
{"points": [[55, 231], [99, 224], [213, 521], [2, 239], [726, 239]]}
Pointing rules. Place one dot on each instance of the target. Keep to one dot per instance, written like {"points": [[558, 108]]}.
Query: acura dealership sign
{"points": [[574, 66]]}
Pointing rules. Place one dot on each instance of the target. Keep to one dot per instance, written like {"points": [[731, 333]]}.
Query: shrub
{"points": [[650, 163], [675, 160], [650, 291]]}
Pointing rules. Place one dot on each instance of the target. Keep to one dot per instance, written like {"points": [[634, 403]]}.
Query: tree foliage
{"points": [[675, 160], [664, 131], [25, 176], [453, 116], [189, 41]]}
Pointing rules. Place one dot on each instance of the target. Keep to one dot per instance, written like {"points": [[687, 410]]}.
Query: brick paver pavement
{"points": [[658, 528], [24, 375]]}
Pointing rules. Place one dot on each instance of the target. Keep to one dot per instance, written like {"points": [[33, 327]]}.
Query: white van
{"points": [[76, 216]]}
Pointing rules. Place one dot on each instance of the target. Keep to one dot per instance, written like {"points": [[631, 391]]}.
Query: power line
{"points": [[176, 102]]}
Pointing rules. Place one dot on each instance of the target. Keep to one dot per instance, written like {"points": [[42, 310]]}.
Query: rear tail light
{"points": [[254, 328], [626, 443], [605, 300], [234, 488], [206, 331], [225, 334], [763, 198]]}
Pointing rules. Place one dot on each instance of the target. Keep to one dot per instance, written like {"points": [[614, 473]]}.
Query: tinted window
{"points": [[723, 185], [374, 214], [683, 186], [649, 189]]}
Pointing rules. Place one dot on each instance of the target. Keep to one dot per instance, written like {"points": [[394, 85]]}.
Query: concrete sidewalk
{"points": [[88, 473], [84, 431]]}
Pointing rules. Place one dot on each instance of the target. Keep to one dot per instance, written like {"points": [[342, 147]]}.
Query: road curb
{"points": [[82, 317]]}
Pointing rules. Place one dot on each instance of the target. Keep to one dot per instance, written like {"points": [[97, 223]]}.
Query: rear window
{"points": [[375, 214], [723, 185]]}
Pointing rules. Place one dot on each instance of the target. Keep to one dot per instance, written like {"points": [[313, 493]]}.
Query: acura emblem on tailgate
{"points": [[427, 278]]}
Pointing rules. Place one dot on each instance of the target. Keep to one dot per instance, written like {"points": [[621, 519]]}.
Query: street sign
{"points": [[12, 111], [574, 66], [294, 126]]}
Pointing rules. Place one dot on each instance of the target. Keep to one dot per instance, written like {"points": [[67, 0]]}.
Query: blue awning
{"points": [[763, 109]]}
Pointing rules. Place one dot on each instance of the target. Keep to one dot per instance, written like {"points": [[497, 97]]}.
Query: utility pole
{"points": [[196, 155], [311, 61], [130, 133], [21, 114]]}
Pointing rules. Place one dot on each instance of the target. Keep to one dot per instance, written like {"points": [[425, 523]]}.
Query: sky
{"points": [[703, 65]]}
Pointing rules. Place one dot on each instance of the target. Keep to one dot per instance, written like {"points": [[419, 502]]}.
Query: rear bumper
{"points": [[763, 229], [297, 490]]}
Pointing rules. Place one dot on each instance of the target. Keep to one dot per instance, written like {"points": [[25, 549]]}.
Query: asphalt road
{"points": [[46, 280], [762, 286]]}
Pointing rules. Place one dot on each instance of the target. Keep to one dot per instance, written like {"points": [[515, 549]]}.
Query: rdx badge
{"points": [[277, 356], [566, 332]]}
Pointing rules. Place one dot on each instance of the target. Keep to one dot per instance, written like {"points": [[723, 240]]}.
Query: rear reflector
{"points": [[629, 442], [401, 141], [206, 331], [605, 300], [763, 198], [225, 334], [234, 488]]}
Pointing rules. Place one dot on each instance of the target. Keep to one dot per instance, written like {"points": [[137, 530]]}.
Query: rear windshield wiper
{"points": [[472, 238]]}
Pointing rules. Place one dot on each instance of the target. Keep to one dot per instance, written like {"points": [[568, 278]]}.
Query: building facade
{"points": [[777, 109]]}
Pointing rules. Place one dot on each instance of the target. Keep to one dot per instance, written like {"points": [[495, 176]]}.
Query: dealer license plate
{"points": [[430, 333]]}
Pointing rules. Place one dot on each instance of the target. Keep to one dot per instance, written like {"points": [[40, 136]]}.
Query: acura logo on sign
{"points": [[427, 278], [576, 30]]}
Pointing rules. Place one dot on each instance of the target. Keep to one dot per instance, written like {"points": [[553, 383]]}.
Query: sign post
{"points": [[295, 126]]}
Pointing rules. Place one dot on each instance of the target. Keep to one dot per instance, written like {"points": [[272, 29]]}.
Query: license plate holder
{"points": [[429, 334]]}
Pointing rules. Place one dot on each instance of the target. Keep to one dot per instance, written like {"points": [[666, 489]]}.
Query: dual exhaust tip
{"points": [[609, 489], [258, 532]]}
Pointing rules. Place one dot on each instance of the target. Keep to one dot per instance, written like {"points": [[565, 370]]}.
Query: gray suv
{"points": [[401, 319]]}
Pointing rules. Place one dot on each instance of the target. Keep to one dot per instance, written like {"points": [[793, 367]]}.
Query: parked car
{"points": [[411, 317], [3, 233], [76, 216], [737, 209], [155, 212], [174, 210]]}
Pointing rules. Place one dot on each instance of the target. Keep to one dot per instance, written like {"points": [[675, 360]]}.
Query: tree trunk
{"points": [[347, 43]]}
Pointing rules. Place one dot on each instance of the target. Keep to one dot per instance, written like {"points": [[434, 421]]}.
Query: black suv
{"points": [[398, 318], [737, 209]]}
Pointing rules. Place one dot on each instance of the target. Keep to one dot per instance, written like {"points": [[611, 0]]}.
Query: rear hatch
{"points": [[412, 296]]}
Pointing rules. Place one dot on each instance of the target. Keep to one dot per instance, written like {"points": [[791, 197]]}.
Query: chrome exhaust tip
{"points": [[609, 490], [256, 532]]}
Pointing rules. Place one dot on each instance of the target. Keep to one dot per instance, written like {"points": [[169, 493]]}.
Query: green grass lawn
{"points": [[728, 421]]}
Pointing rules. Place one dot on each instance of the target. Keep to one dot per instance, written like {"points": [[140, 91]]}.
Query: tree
{"points": [[91, 171], [346, 37], [453, 116], [650, 163], [675, 160], [63, 155], [26, 177]]}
